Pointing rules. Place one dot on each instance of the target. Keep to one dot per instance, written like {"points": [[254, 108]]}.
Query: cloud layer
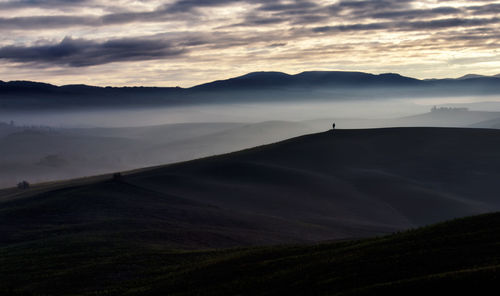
{"points": [[185, 42], [80, 52]]}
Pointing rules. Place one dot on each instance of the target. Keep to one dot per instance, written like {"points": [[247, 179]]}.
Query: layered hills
{"points": [[293, 215], [333, 185], [252, 87]]}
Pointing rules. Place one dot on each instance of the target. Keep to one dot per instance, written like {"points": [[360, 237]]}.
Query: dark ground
{"points": [[155, 229]]}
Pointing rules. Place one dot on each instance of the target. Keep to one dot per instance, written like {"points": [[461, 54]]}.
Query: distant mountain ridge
{"points": [[278, 85], [309, 79], [264, 77], [469, 76]]}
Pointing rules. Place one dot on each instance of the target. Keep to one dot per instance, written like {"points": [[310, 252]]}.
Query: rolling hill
{"points": [[332, 185], [41, 155], [491, 123], [458, 257], [449, 118], [38, 154], [151, 230]]}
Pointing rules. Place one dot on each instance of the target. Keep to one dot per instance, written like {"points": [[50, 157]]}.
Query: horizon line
{"points": [[223, 79]]}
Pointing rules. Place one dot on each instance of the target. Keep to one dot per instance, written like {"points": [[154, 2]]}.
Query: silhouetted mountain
{"points": [[325, 78], [338, 79], [19, 87], [309, 79], [250, 80], [35, 95], [469, 76], [257, 86]]}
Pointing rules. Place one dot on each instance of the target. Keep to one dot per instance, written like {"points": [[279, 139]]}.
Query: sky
{"points": [[187, 42]]}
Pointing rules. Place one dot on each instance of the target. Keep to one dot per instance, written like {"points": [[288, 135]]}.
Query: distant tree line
{"points": [[10, 123], [25, 126], [441, 109], [23, 185]]}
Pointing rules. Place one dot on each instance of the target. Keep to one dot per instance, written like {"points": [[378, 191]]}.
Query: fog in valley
{"points": [[40, 146]]}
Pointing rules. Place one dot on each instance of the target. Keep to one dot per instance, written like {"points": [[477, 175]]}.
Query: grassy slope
{"points": [[393, 178], [99, 236], [458, 256], [332, 185]]}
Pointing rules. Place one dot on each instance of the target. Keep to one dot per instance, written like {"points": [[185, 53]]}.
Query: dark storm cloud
{"points": [[81, 52]]}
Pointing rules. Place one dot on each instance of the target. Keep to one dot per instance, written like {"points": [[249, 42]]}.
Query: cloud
{"points": [[61, 21], [237, 34], [188, 5], [449, 22], [298, 5], [81, 52], [356, 8], [493, 8], [417, 26], [417, 13], [47, 22], [353, 27], [354, 15], [16, 4]]}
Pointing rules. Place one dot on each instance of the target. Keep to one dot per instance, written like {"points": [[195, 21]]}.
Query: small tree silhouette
{"points": [[117, 176], [23, 185]]}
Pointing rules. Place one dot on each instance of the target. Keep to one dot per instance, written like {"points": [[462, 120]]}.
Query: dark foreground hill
{"points": [[460, 257], [150, 230], [332, 185]]}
